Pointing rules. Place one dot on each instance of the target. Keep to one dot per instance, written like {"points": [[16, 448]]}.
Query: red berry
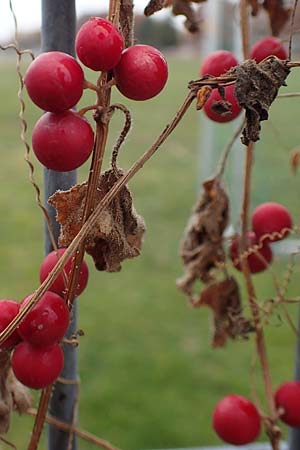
{"points": [[37, 367], [267, 46], [216, 97], [217, 63], [58, 285], [141, 73], [54, 81], [257, 261], [236, 420], [63, 141], [99, 44], [287, 397], [47, 322], [271, 217], [8, 311]]}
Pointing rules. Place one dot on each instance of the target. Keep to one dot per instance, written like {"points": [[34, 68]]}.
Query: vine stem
{"points": [[259, 333]]}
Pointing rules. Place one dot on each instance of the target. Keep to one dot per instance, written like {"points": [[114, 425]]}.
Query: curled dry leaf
{"points": [[222, 107], [202, 96], [223, 297], [256, 88], [278, 13], [118, 233], [201, 247], [13, 395]]}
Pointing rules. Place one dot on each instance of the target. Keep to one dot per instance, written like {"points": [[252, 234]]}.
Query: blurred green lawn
{"points": [[149, 377]]}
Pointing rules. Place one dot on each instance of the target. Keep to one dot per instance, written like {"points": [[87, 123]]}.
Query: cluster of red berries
{"points": [[220, 61], [62, 139], [237, 421], [270, 219], [37, 358]]}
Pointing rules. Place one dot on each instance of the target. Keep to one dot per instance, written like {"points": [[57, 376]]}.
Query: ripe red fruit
{"points": [[141, 73], [271, 217], [257, 261], [63, 141], [217, 63], [47, 322], [58, 285], [216, 97], [8, 311], [267, 46], [54, 81], [99, 44], [236, 420], [37, 367], [287, 397]]}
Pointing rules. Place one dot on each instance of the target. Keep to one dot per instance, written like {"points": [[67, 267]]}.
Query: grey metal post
{"points": [[294, 435], [58, 33]]}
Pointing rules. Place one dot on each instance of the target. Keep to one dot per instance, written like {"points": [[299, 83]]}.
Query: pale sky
{"points": [[28, 13]]}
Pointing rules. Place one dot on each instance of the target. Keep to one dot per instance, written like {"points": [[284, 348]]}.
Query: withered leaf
{"points": [[154, 6], [254, 4], [202, 96], [222, 107], [256, 88], [201, 248], [223, 298], [119, 230], [278, 13]]}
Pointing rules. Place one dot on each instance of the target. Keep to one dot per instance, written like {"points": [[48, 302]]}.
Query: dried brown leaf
{"points": [[118, 233], [278, 13], [154, 6], [202, 96], [254, 4], [223, 298], [201, 247], [222, 107], [256, 88]]}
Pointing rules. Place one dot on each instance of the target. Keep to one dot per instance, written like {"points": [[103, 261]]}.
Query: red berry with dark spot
{"points": [[217, 63], [8, 311], [141, 73], [271, 217], [268, 46], [37, 367], [287, 398], [99, 44], [63, 141], [216, 97], [236, 420], [257, 261], [54, 81], [59, 285], [47, 322]]}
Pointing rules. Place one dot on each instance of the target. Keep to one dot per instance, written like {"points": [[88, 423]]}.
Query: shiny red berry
{"points": [[141, 73], [258, 261], [54, 81], [99, 44], [267, 46], [37, 367], [236, 420], [47, 322], [287, 398], [271, 217], [63, 141], [59, 285], [216, 97], [8, 311], [217, 63]]}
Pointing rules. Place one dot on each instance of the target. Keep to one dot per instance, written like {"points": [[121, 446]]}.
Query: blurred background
{"points": [[149, 377]]}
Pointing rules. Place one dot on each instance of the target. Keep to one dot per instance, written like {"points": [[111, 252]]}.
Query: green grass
{"points": [[149, 377]]}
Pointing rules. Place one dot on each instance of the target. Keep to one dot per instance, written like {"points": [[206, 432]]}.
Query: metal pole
{"points": [[58, 33], [294, 435]]}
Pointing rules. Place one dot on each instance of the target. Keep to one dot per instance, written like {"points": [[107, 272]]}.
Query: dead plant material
{"points": [[154, 6], [278, 13], [254, 5], [13, 395], [202, 96], [222, 107], [118, 232], [223, 297], [256, 88], [201, 247]]}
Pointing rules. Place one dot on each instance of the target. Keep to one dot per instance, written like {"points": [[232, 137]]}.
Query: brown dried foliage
{"points": [[202, 96], [118, 233], [278, 13], [201, 247], [223, 297], [256, 88]]}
